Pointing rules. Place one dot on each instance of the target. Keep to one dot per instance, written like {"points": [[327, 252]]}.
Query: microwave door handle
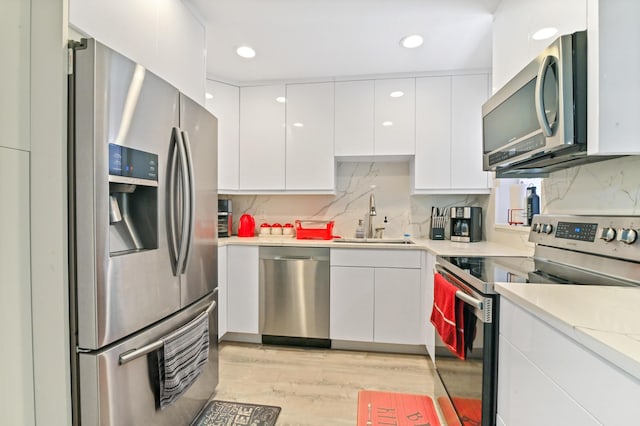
{"points": [[190, 193], [539, 96]]}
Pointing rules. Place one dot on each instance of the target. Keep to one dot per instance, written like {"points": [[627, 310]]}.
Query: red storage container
{"points": [[314, 229]]}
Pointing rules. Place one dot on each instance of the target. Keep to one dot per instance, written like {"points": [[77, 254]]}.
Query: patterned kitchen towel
{"points": [[182, 359]]}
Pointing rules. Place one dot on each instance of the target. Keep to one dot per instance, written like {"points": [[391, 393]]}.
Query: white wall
{"points": [[162, 35]]}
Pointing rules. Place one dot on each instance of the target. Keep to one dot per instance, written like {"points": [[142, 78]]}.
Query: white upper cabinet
{"points": [[449, 134], [223, 100], [432, 167], [310, 164], [515, 23], [394, 118], [613, 87], [262, 138], [468, 93], [354, 118]]}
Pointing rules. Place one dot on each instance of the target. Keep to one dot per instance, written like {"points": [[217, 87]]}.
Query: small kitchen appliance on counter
{"points": [[246, 226], [225, 219], [466, 224], [570, 250]]}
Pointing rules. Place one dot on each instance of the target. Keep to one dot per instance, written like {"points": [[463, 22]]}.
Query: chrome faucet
{"points": [[372, 213]]}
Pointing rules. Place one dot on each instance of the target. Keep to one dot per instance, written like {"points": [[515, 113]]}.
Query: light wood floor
{"points": [[315, 386]]}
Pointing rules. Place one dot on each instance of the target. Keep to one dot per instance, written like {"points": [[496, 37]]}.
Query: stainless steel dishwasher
{"points": [[294, 295]]}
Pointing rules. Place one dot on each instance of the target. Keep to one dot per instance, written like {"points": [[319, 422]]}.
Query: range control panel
{"points": [[615, 236]]}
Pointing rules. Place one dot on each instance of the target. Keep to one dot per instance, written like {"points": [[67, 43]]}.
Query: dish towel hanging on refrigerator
{"points": [[182, 359], [447, 315]]}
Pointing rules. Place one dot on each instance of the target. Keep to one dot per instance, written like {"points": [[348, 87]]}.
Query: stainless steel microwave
{"points": [[537, 122]]}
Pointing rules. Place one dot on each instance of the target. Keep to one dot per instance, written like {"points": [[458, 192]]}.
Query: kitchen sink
{"points": [[373, 240]]}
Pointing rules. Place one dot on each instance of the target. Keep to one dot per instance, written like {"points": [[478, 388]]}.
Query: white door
{"points": [[397, 306], [351, 314], [309, 158], [242, 289], [262, 142]]}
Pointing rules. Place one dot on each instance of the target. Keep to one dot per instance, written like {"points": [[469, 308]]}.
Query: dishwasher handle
{"points": [[294, 258]]}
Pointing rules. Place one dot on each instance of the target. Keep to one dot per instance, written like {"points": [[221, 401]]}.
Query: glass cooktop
{"points": [[525, 270]]}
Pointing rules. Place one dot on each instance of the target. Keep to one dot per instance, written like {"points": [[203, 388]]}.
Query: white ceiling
{"points": [[305, 39]]}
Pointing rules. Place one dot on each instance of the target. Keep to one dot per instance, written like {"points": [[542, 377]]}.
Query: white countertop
{"points": [[602, 318], [438, 248]]}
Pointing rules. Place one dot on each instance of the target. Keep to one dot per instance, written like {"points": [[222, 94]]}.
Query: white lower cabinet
{"points": [[351, 306], [242, 289], [380, 303], [222, 291], [429, 331], [397, 306], [545, 377]]}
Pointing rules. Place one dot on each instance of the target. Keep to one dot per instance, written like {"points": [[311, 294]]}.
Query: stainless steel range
{"points": [[571, 250]]}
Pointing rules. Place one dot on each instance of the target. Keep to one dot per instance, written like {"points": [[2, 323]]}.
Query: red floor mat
{"points": [[470, 411], [398, 409]]}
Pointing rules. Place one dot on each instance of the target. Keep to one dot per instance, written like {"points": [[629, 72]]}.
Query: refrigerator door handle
{"points": [[186, 204], [172, 205], [146, 349], [191, 195]]}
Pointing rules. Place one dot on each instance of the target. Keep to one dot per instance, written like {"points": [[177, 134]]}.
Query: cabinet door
{"points": [[310, 161], [242, 289], [432, 167], [427, 298], [468, 93], [15, 289], [397, 306], [262, 141], [395, 117], [354, 118], [222, 291], [223, 100], [351, 314]]}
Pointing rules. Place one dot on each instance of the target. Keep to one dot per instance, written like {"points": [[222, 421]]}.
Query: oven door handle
{"points": [[469, 300]]}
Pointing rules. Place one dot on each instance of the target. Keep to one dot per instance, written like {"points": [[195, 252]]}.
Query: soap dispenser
{"points": [[360, 229]]}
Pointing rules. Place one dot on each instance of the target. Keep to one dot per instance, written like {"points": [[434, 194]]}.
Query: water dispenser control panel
{"points": [[129, 162]]}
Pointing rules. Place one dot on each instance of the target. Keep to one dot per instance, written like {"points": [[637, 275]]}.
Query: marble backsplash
{"points": [[609, 187], [405, 213]]}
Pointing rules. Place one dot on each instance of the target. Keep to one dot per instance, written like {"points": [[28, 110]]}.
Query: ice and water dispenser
{"points": [[133, 200]]}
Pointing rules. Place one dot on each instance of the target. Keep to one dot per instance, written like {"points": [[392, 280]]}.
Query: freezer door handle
{"points": [[147, 349], [191, 195], [172, 205]]}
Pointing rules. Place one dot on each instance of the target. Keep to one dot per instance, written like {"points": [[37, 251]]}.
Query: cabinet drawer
{"points": [[378, 258]]}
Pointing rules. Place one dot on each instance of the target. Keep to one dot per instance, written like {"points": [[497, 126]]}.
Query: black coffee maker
{"points": [[466, 224]]}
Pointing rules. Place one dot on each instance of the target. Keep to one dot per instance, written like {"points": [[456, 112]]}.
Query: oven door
{"points": [[471, 384]]}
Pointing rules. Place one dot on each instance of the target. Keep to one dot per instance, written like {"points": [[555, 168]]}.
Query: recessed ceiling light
{"points": [[208, 95], [387, 123], [281, 99], [396, 94], [298, 125], [245, 52], [411, 41], [544, 33]]}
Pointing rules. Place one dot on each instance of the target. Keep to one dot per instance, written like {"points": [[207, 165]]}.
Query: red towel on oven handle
{"points": [[447, 315]]}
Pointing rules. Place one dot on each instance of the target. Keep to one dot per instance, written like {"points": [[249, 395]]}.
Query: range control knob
{"points": [[608, 234], [547, 228], [627, 236], [535, 228]]}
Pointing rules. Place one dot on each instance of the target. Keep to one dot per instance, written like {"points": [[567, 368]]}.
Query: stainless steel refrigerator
{"points": [[143, 237]]}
